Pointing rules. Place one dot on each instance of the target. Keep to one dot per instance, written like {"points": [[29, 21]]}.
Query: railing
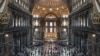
{"points": [[20, 6], [81, 5]]}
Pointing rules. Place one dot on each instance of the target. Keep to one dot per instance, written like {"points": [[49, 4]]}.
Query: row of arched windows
{"points": [[81, 20], [19, 20], [50, 26]]}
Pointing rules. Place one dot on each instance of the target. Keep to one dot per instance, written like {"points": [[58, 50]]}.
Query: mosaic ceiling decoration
{"points": [[43, 7]]}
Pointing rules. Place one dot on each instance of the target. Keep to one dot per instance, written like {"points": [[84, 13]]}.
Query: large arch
{"points": [[50, 11], [43, 7]]}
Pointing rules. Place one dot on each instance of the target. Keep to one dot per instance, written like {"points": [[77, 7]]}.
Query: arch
{"points": [[43, 8], [54, 16]]}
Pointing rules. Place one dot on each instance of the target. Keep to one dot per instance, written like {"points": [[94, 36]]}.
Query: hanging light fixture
{"points": [[93, 35], [6, 35], [50, 9]]}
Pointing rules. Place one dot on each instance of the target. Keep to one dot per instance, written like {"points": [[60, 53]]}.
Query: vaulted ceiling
{"points": [[43, 7], [50, 9]]}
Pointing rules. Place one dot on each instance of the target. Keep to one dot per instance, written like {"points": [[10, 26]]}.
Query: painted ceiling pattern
{"points": [[43, 7]]}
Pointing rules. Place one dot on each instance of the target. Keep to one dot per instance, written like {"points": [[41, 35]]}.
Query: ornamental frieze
{"points": [[3, 12], [96, 12]]}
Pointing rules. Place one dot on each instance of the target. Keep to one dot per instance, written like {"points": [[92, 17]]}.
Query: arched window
{"points": [[51, 29], [51, 23]]}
